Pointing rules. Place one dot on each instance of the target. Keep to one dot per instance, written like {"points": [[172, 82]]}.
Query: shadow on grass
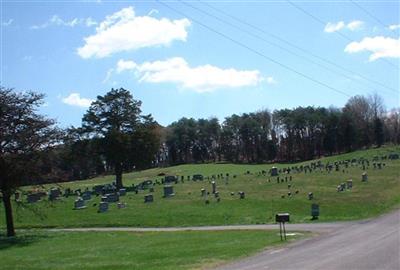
{"points": [[20, 240]]}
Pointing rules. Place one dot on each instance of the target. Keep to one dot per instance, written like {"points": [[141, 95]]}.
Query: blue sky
{"points": [[253, 55]]}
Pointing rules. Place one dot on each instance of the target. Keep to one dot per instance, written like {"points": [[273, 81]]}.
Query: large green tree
{"points": [[114, 119], [25, 136]]}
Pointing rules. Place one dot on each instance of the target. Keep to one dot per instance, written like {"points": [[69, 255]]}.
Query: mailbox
{"points": [[315, 210], [282, 217]]}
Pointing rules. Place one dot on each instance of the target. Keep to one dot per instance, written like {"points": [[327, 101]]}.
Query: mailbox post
{"points": [[282, 218]]}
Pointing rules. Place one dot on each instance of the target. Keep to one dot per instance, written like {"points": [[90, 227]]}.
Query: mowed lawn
{"points": [[262, 197], [126, 250]]}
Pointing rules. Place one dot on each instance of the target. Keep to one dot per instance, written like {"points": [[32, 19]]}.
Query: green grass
{"points": [[125, 250], [263, 198]]}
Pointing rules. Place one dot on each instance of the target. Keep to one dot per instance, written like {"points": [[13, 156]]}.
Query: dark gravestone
{"points": [[54, 194], [79, 204], [170, 179], [148, 198], [241, 194], [103, 207], [113, 197], [197, 177], [203, 192], [122, 192], [168, 191], [349, 184], [310, 195], [33, 197], [86, 195], [274, 171]]}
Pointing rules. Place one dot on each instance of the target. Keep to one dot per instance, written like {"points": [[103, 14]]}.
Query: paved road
{"points": [[372, 244]]}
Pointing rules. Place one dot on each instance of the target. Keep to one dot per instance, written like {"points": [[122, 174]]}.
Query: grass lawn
{"points": [[126, 250], [263, 197]]}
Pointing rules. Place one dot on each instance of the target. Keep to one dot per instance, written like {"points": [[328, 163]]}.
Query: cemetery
{"points": [[346, 187]]}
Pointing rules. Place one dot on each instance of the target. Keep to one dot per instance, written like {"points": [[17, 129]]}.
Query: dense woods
{"points": [[284, 135]]}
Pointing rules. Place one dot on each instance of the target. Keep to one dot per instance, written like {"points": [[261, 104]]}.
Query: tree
{"points": [[114, 117], [24, 137]]}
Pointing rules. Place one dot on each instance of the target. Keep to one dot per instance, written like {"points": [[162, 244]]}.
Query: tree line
{"points": [[285, 135]]}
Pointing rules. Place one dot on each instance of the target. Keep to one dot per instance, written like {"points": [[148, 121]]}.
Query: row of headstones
{"points": [[80, 202], [313, 166]]}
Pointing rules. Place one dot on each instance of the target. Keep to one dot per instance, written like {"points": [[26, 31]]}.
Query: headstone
{"points": [[197, 177], [86, 195], [122, 192], [274, 171], [349, 184], [203, 192], [310, 196], [241, 194], [364, 177], [33, 197], [170, 179], [112, 197], [54, 194], [79, 204], [121, 205], [103, 207], [214, 187], [98, 189], [168, 191], [148, 198]]}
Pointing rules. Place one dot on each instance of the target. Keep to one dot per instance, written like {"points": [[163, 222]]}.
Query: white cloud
{"points": [[352, 26], [201, 79], [57, 21], [355, 25], [90, 22], [7, 23], [394, 27], [381, 47], [123, 65], [75, 99], [333, 27], [124, 31]]}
